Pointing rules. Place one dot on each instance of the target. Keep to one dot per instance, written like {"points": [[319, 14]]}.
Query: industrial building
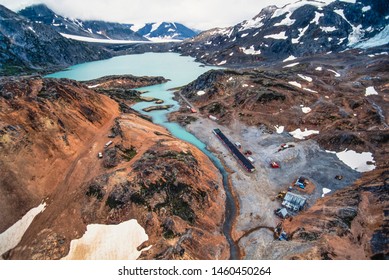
{"points": [[234, 150], [294, 201]]}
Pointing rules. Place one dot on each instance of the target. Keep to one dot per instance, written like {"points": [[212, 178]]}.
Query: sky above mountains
{"points": [[199, 14]]}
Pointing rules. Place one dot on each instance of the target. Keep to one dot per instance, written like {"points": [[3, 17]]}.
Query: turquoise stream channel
{"points": [[180, 70]]}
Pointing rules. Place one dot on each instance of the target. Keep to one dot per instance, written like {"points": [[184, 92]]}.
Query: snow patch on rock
{"points": [[289, 58], [299, 134], [308, 79], [356, 161], [279, 129], [291, 65], [371, 91], [278, 36], [333, 71], [109, 242], [296, 84], [12, 236], [325, 191], [250, 51]]}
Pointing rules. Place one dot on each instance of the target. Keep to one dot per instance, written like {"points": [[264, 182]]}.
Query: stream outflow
{"points": [[230, 208]]}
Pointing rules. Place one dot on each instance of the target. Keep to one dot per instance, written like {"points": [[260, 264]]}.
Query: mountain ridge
{"points": [[100, 29], [297, 29], [29, 46]]}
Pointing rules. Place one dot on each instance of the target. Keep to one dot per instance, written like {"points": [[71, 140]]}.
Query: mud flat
{"points": [[256, 192]]}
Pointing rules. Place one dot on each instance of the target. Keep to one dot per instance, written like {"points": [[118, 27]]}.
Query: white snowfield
{"points": [[333, 71], [301, 34], [278, 36], [289, 58], [12, 236], [325, 191], [200, 92], [291, 65], [308, 79], [252, 23], [299, 134], [279, 129], [371, 91], [250, 51], [108, 41], [356, 161], [310, 90], [109, 242], [296, 84], [290, 8], [306, 110]]}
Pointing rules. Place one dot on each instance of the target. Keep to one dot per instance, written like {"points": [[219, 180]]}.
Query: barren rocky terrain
{"points": [[51, 134]]}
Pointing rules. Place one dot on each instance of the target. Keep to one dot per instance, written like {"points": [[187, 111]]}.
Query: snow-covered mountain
{"points": [[165, 30], [29, 46], [106, 30], [89, 28], [298, 29]]}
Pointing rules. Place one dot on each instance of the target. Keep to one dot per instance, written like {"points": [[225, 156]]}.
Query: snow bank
{"points": [[290, 8], [302, 134], [296, 84], [308, 79], [319, 68], [301, 34], [371, 91], [94, 86], [310, 90], [291, 65], [252, 23], [279, 129], [289, 58], [356, 161], [110, 41], [108, 242], [278, 36], [250, 51], [222, 62], [12, 236], [336, 73], [317, 18], [365, 9], [200, 92], [306, 110], [325, 191], [328, 29], [32, 29]]}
